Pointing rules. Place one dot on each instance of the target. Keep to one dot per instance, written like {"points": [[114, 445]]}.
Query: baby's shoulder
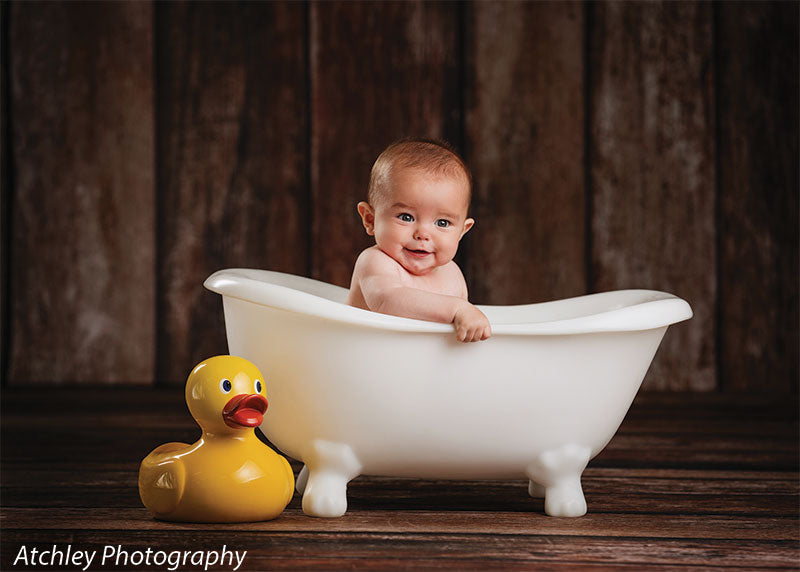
{"points": [[452, 276], [453, 271], [375, 261]]}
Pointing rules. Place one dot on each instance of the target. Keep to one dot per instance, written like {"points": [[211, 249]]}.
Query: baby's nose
{"points": [[421, 234]]}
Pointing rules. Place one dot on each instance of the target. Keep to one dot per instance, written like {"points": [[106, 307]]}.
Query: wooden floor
{"points": [[688, 482]]}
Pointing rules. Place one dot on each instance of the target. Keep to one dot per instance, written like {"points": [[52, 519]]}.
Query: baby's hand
{"points": [[471, 324]]}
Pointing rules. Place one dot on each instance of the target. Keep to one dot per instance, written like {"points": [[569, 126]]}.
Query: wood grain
{"points": [[379, 521], [69, 482], [83, 246], [380, 71], [614, 145], [610, 492], [337, 551], [653, 171], [233, 161], [525, 143], [6, 185], [759, 187]]}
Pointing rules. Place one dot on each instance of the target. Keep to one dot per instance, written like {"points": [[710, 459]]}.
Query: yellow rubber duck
{"points": [[228, 475]]}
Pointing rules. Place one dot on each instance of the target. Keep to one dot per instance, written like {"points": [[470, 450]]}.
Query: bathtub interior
{"points": [[301, 283], [572, 308], [621, 310]]}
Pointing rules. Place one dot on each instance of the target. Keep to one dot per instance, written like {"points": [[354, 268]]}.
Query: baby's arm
{"points": [[384, 292], [471, 324]]}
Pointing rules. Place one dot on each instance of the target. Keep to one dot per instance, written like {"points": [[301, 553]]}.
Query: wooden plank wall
{"points": [[83, 204], [614, 145], [379, 71], [652, 169], [758, 196], [231, 109], [525, 143]]}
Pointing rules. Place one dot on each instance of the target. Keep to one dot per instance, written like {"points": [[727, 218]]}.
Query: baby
{"points": [[419, 193]]}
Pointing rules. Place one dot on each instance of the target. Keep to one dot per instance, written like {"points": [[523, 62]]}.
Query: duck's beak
{"points": [[244, 410]]}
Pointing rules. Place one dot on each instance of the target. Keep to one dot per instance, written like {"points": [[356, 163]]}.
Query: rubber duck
{"points": [[228, 475]]}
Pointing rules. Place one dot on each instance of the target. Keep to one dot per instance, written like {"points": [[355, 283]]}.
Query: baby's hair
{"points": [[430, 155]]}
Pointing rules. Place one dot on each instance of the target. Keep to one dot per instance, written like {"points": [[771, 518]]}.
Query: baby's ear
{"points": [[467, 225], [367, 217]]}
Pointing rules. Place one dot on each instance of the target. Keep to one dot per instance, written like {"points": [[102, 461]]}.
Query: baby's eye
{"points": [[443, 223], [405, 217]]}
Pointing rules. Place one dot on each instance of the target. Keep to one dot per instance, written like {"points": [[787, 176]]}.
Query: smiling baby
{"points": [[419, 194]]}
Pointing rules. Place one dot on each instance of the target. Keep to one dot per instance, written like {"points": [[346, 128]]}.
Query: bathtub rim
{"points": [[659, 309]]}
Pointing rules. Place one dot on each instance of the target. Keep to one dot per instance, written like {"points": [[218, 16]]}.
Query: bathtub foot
{"points": [[329, 467], [536, 490], [302, 479], [559, 472]]}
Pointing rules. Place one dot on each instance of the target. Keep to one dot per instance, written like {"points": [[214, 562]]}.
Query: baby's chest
{"points": [[438, 284]]}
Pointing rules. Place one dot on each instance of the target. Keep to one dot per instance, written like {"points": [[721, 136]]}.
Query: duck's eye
{"points": [[257, 385], [442, 223], [225, 385], [405, 217]]}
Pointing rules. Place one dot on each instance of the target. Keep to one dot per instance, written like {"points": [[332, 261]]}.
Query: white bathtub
{"points": [[354, 392]]}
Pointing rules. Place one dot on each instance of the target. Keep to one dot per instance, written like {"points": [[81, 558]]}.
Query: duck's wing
{"points": [[162, 478]]}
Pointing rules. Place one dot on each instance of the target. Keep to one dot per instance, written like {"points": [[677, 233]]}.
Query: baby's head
{"points": [[432, 157], [418, 198]]}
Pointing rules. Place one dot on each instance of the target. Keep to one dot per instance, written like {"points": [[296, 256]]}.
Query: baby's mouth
{"points": [[418, 252]]}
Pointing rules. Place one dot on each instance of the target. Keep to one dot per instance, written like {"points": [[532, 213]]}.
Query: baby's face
{"points": [[421, 220]]}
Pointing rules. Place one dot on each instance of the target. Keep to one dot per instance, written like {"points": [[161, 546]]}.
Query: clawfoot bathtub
{"points": [[354, 392]]}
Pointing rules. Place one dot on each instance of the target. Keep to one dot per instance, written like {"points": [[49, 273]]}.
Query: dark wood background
{"points": [[614, 145]]}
